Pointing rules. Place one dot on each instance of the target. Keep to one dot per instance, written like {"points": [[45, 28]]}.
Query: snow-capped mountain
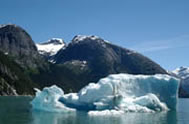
{"points": [[85, 56], [182, 72], [50, 47], [80, 38]]}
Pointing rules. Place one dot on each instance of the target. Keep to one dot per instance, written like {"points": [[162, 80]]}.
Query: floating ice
{"points": [[48, 100], [114, 94]]}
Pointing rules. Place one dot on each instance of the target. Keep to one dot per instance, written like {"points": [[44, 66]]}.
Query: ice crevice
{"points": [[115, 94]]}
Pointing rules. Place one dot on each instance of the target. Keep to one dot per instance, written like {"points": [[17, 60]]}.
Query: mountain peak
{"points": [[16, 42], [51, 47], [80, 38], [6, 25], [55, 41], [13, 28], [182, 72]]}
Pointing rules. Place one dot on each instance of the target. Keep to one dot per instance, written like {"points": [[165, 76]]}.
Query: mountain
{"points": [[85, 59], [17, 43], [18, 59], [104, 58], [183, 74], [50, 47], [88, 58]]}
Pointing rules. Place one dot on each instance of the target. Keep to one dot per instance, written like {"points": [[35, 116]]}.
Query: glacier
{"points": [[51, 46], [115, 94]]}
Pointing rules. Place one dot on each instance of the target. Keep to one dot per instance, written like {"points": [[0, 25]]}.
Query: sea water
{"points": [[18, 110]]}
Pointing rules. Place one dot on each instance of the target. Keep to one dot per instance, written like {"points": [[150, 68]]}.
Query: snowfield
{"points": [[51, 47], [182, 72], [115, 94]]}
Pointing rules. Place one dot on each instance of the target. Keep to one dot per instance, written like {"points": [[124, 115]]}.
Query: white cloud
{"points": [[153, 46]]}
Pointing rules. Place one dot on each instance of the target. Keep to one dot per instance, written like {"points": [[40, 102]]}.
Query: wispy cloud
{"points": [[154, 46]]}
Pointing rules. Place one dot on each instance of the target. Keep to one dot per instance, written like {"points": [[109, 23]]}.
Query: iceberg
{"points": [[48, 100], [117, 93]]}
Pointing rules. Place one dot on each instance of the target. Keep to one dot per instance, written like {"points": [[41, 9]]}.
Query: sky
{"points": [[159, 29]]}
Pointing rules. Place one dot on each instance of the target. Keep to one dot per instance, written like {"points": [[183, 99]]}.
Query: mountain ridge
{"points": [[183, 74], [95, 58], [85, 59]]}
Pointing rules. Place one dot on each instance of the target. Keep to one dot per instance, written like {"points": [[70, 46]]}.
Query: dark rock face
{"points": [[54, 41], [13, 80], [184, 88], [18, 58], [6, 89], [17, 43], [105, 58]]}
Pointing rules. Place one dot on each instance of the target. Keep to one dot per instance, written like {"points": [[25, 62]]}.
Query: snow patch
{"points": [[6, 53], [182, 72], [81, 64], [79, 38], [51, 47]]}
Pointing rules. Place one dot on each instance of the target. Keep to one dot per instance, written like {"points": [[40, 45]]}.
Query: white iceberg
{"points": [[114, 94], [48, 100]]}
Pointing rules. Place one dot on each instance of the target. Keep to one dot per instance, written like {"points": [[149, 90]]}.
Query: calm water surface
{"points": [[17, 110]]}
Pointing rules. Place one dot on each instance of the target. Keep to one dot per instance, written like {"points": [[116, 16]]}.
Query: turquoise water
{"points": [[17, 110]]}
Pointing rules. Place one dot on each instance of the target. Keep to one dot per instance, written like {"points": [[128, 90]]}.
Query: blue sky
{"points": [[158, 29]]}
